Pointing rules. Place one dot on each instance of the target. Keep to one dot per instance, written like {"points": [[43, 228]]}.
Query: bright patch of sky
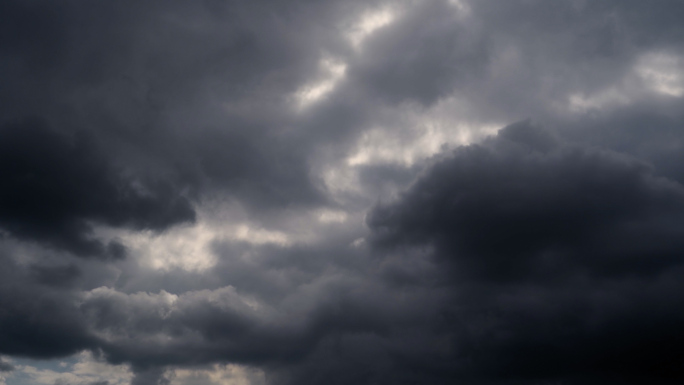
{"points": [[370, 22], [217, 375], [405, 137], [659, 72], [609, 98], [85, 369], [189, 247], [663, 72], [81, 369], [383, 146], [461, 6], [332, 72]]}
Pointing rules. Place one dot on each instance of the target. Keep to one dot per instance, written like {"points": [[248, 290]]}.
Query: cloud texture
{"points": [[341, 192]]}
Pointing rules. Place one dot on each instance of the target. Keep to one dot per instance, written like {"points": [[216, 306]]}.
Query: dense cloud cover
{"points": [[503, 209], [341, 192], [575, 252]]}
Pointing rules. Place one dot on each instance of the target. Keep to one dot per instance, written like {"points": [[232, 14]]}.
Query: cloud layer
{"points": [[337, 192]]}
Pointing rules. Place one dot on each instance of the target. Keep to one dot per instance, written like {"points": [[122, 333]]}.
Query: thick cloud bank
{"points": [[336, 192], [572, 254]]}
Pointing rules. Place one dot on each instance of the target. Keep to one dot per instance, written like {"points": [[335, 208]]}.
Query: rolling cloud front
{"points": [[341, 192]]}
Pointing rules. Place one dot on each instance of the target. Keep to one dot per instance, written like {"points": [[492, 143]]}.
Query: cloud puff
{"points": [[523, 197]]}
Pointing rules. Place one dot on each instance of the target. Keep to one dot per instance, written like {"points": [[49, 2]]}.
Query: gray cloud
{"points": [[6, 367], [524, 195], [543, 235], [58, 187], [422, 61], [179, 135], [38, 322]]}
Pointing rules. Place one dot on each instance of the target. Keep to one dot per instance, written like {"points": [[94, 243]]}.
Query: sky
{"points": [[233, 192]]}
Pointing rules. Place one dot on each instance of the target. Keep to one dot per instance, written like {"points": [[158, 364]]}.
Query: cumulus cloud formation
{"points": [[523, 199], [341, 192], [568, 248]]}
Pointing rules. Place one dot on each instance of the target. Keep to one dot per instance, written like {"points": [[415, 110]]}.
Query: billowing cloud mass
{"points": [[341, 192]]}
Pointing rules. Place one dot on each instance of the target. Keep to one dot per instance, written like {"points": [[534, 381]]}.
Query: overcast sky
{"points": [[257, 192]]}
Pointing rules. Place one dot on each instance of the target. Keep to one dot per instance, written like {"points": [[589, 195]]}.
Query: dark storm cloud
{"points": [[570, 256], [514, 203], [113, 113], [56, 187], [533, 257], [37, 321], [193, 91]]}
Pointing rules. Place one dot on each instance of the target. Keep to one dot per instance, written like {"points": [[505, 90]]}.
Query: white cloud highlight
{"points": [[370, 22], [663, 72], [332, 72], [88, 370]]}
